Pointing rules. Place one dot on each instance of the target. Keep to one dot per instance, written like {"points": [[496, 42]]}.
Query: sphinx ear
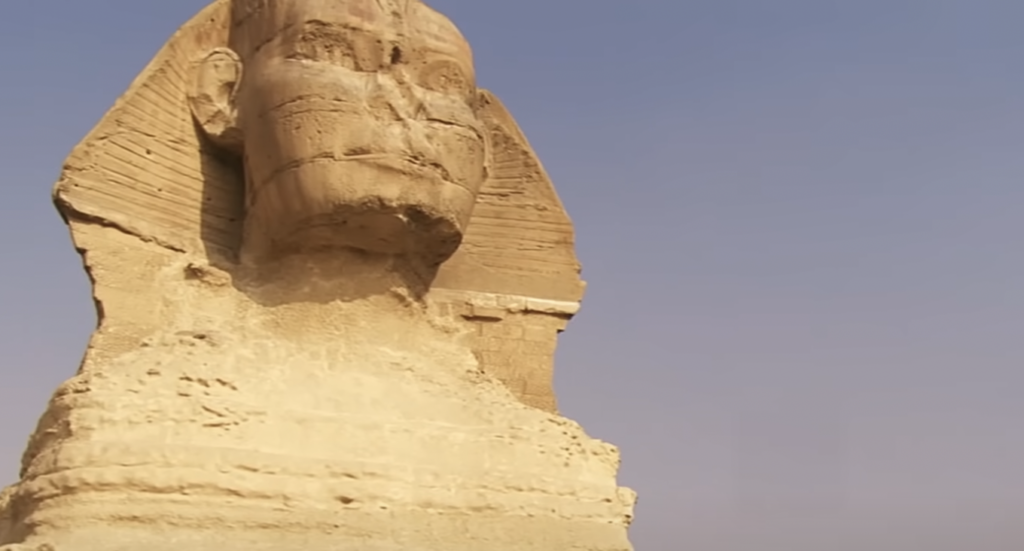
{"points": [[211, 96]]}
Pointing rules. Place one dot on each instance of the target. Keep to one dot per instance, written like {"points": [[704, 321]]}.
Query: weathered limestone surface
{"points": [[329, 273]]}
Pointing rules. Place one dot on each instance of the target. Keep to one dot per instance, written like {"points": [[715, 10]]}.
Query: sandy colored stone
{"points": [[329, 274]]}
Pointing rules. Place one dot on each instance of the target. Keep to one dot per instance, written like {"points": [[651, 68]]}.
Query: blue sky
{"points": [[799, 220]]}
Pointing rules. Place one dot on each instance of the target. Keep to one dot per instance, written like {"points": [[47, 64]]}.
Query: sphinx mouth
{"points": [[400, 162], [416, 165]]}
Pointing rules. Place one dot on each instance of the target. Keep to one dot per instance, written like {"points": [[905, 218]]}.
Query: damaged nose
{"points": [[408, 110]]}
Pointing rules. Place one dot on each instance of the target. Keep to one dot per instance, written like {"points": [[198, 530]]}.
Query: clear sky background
{"points": [[800, 221]]}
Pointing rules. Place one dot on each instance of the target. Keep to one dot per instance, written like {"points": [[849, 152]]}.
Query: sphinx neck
{"points": [[339, 275]]}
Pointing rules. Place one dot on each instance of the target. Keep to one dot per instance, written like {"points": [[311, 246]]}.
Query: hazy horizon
{"points": [[799, 223]]}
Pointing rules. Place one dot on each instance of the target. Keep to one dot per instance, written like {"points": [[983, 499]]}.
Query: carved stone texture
{"points": [[329, 273]]}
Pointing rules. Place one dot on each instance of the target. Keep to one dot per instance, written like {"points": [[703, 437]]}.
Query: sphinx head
{"points": [[357, 122]]}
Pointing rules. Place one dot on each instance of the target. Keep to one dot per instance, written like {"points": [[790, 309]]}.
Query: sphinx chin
{"points": [[377, 204], [400, 230]]}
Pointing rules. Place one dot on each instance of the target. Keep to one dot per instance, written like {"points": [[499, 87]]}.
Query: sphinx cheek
{"points": [[464, 156]]}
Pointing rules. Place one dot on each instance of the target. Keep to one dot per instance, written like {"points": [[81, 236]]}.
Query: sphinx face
{"points": [[358, 126]]}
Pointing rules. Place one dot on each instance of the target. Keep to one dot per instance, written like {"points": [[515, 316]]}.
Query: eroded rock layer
{"points": [[343, 425]]}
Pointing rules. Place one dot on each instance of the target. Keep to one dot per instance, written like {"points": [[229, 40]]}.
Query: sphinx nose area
{"points": [[409, 111]]}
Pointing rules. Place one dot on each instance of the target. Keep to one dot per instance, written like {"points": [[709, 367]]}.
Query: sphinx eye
{"points": [[349, 48], [445, 76], [317, 42]]}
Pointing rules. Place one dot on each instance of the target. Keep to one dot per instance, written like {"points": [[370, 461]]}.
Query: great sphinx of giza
{"points": [[329, 273]]}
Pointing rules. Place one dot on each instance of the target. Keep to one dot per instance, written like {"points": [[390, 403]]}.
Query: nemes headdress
{"points": [[148, 170]]}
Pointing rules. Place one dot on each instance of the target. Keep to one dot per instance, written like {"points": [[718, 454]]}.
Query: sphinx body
{"points": [[330, 274]]}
